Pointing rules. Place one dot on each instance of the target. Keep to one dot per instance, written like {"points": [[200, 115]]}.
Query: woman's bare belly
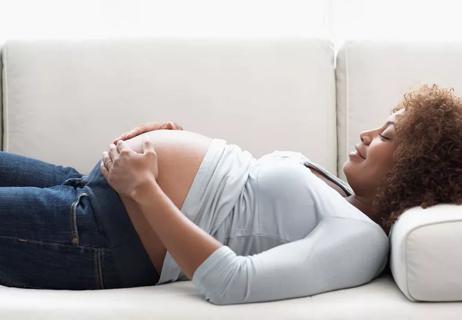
{"points": [[180, 153]]}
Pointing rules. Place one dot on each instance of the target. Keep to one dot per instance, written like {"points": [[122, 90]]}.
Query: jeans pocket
{"points": [[73, 219], [76, 182], [43, 265], [85, 227]]}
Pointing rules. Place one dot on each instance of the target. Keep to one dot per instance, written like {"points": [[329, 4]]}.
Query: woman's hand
{"points": [[127, 171], [145, 127]]}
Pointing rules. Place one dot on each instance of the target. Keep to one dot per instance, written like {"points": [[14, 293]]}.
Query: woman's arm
{"points": [[134, 175], [339, 253], [151, 242], [188, 244]]}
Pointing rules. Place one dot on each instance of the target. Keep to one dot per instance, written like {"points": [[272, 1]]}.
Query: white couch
{"points": [[63, 101]]}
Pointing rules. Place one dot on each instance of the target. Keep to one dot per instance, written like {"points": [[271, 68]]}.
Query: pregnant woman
{"points": [[165, 204]]}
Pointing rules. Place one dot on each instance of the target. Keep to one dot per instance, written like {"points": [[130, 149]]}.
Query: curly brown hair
{"points": [[427, 161]]}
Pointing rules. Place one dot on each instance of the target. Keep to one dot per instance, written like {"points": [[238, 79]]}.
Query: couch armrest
{"points": [[426, 253]]}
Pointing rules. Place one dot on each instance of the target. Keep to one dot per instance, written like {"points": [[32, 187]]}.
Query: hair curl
{"points": [[427, 161]]}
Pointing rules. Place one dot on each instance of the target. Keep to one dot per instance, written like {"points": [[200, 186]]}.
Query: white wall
{"points": [[103, 18], [337, 19]]}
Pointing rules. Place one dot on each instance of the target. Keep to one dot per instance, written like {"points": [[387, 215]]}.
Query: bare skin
{"points": [[365, 171], [180, 153]]}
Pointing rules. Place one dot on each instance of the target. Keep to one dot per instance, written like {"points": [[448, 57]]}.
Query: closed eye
{"points": [[383, 137]]}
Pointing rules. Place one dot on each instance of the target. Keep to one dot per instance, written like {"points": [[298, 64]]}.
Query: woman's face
{"points": [[367, 166]]}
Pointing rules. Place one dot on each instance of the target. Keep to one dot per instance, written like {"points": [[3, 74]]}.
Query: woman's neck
{"points": [[364, 204]]}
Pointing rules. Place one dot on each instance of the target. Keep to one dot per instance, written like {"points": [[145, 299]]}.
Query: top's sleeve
{"points": [[338, 253]]}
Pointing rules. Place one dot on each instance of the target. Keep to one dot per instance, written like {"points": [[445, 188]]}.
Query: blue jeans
{"points": [[60, 229]]}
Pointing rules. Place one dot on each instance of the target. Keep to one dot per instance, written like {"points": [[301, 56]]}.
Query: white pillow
{"points": [[426, 253]]}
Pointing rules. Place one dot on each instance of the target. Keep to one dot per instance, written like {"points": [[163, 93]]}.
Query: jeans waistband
{"points": [[131, 259], [109, 209]]}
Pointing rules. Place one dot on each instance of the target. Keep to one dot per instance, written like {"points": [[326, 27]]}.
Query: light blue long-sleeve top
{"points": [[285, 232]]}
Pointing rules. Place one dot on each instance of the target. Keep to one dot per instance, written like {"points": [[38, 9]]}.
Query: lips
{"points": [[359, 152]]}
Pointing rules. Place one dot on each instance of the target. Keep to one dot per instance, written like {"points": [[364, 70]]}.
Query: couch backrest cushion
{"points": [[65, 100], [372, 77]]}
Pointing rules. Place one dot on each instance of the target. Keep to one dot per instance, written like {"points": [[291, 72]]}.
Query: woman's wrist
{"points": [[145, 191]]}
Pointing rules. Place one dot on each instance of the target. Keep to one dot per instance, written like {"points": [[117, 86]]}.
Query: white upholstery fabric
{"points": [[65, 100], [75, 96], [426, 254], [378, 300], [372, 77]]}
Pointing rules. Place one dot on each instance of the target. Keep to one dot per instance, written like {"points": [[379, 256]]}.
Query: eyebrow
{"points": [[390, 122]]}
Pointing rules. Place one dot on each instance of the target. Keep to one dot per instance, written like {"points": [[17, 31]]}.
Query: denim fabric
{"points": [[60, 229]]}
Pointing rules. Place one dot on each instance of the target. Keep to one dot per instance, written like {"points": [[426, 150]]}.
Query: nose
{"points": [[365, 137]]}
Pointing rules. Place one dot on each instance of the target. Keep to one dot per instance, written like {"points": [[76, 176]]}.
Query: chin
{"points": [[346, 168]]}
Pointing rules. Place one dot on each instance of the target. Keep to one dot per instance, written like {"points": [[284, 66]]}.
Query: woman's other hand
{"points": [[145, 127], [127, 171]]}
